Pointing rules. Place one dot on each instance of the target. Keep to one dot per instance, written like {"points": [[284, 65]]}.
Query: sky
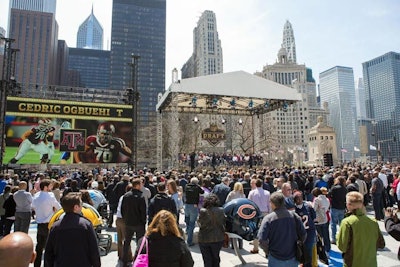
{"points": [[327, 33]]}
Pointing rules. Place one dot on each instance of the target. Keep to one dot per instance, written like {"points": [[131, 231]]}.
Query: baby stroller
{"points": [[89, 212]]}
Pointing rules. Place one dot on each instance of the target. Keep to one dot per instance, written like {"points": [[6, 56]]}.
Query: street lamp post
{"points": [[134, 100], [376, 141]]}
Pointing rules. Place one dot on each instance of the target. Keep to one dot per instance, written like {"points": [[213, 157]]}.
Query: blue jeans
{"points": [[336, 218], [274, 262], [191, 214], [308, 249]]}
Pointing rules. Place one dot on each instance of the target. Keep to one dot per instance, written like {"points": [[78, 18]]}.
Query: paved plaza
{"points": [[387, 257]]}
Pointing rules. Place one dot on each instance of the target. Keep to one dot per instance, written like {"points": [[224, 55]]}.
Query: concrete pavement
{"points": [[386, 257]]}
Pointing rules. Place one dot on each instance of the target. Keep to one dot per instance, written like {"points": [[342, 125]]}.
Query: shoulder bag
{"points": [[300, 249], [142, 260]]}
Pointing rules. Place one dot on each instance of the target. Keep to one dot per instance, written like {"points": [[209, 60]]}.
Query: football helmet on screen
{"points": [[44, 124], [105, 132], [66, 125]]}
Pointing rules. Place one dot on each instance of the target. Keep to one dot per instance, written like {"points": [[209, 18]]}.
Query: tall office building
{"points": [[48, 6], [90, 34], [289, 42], [62, 63], [92, 66], [337, 89], [139, 27], [207, 52], [360, 100], [382, 92], [290, 128], [35, 35]]}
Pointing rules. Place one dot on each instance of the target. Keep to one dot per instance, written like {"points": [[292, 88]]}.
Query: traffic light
{"points": [[328, 160]]}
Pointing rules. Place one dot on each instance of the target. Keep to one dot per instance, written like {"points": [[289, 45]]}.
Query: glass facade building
{"points": [[92, 65], [138, 27], [48, 6], [338, 90], [382, 92], [90, 34]]}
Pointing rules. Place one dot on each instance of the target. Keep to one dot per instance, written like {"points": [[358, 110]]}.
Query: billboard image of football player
{"points": [[104, 147], [40, 139]]}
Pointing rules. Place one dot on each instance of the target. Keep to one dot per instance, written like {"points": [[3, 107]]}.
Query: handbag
{"points": [[300, 251], [300, 255], [142, 260]]}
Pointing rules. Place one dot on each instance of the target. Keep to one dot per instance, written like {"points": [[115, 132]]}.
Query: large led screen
{"points": [[50, 131]]}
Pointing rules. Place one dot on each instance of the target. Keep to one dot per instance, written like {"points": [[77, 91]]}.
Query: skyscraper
{"points": [[138, 27], [35, 35], [207, 52], [382, 93], [360, 100], [90, 34], [92, 65], [289, 43], [290, 128], [48, 6], [337, 89]]}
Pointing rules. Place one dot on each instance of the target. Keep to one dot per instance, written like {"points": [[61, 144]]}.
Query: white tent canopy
{"points": [[236, 92]]}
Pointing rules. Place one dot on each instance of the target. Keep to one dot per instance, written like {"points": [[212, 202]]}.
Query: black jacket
{"points": [[338, 196], [72, 241], [168, 251], [212, 225], [10, 206], [193, 192], [120, 189], [133, 208], [161, 201]]}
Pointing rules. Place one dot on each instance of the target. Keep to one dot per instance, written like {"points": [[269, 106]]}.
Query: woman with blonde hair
{"points": [[236, 193], [166, 246]]}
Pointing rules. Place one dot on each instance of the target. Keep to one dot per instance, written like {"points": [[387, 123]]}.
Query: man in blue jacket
{"points": [[279, 233]]}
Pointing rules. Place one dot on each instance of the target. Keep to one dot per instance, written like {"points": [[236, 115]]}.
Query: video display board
{"points": [[51, 131]]}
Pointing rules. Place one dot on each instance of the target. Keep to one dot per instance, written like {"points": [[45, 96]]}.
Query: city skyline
{"points": [[327, 34]]}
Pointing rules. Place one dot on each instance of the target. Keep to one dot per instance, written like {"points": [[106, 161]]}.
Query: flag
{"points": [[343, 150], [372, 147], [356, 149]]}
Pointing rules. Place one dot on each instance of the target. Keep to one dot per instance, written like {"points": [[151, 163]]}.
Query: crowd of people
{"points": [[283, 205], [196, 160]]}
